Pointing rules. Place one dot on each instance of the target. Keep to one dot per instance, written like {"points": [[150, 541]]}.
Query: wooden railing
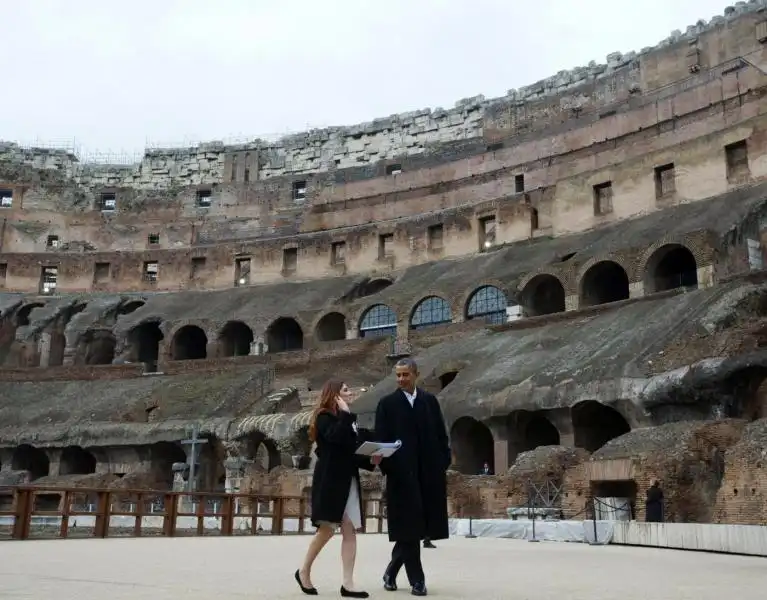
{"points": [[29, 512]]}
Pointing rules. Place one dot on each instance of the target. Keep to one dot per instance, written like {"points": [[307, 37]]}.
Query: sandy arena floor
{"points": [[220, 568]]}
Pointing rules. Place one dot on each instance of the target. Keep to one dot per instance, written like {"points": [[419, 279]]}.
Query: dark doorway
{"points": [[144, 342], [670, 267], [472, 446], [31, 459], [76, 461], [605, 282], [595, 424], [543, 295], [96, 347], [284, 334], [331, 327], [235, 339], [189, 343], [539, 431]]}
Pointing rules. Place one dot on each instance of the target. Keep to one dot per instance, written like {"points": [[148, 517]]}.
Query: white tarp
{"points": [[522, 529]]}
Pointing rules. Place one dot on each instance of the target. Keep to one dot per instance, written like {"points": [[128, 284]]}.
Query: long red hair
{"points": [[326, 403]]}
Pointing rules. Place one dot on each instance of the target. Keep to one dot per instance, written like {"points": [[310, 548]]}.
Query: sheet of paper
{"points": [[382, 449]]}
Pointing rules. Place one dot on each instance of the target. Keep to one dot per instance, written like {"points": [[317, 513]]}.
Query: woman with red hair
{"points": [[336, 498]]}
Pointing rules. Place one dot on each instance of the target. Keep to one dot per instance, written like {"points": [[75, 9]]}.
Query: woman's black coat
{"points": [[336, 465], [416, 481]]}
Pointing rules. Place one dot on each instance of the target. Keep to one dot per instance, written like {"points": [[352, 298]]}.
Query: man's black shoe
{"points": [[390, 585], [428, 544], [419, 589]]}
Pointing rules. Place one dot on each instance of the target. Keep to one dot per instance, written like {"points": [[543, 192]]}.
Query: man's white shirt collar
{"points": [[410, 397]]}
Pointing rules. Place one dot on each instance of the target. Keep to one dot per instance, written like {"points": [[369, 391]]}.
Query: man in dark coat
{"points": [[416, 484], [654, 504]]}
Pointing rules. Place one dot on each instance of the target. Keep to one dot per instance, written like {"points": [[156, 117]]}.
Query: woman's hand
{"points": [[376, 459], [342, 405]]}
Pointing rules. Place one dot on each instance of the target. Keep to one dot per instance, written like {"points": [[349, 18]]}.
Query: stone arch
{"points": [[76, 461], [544, 294], [531, 429], [235, 339], [472, 445], [669, 267], [595, 424], [162, 456], [189, 343], [129, 307], [22, 315], [144, 341], [367, 287], [95, 347], [31, 459], [284, 334], [378, 320], [431, 311], [331, 327], [489, 303], [263, 450], [604, 282], [446, 379]]}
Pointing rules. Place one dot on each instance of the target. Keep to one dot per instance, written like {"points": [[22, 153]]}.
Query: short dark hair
{"points": [[408, 363]]}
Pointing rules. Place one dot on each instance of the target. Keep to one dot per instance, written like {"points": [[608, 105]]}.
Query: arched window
{"points": [[488, 303], [429, 312], [379, 320]]}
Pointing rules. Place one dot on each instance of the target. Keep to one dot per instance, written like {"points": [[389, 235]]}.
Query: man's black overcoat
{"points": [[416, 481], [336, 466]]}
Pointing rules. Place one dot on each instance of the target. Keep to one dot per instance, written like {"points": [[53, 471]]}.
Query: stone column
{"points": [[563, 421], [44, 348], [572, 302], [636, 289], [501, 448]]}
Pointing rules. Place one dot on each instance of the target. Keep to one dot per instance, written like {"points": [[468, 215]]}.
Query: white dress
{"points": [[352, 509]]}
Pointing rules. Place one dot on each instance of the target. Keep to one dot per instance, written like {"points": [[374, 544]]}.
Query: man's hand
{"points": [[376, 459]]}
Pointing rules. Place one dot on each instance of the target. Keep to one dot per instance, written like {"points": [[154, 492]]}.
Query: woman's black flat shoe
{"points": [[310, 591], [349, 594]]}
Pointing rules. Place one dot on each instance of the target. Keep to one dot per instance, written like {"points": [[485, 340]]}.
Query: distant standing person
{"points": [[416, 482], [336, 498], [654, 504]]}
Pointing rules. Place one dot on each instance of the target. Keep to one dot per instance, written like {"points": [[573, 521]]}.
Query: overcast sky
{"points": [[114, 74]]}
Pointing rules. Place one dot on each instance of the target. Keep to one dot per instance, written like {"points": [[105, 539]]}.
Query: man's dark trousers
{"points": [[408, 554]]}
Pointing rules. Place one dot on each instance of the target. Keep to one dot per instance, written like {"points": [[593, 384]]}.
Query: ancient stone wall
{"points": [[742, 498]]}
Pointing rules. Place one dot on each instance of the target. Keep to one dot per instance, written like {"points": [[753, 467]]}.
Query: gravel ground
{"points": [[487, 568]]}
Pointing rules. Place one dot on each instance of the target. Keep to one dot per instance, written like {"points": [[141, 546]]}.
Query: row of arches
{"points": [[604, 282], [74, 460], [473, 443]]}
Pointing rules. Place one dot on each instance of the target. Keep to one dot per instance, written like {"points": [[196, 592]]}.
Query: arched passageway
{"points": [[284, 335], [264, 451], [595, 424], [604, 282], [22, 316], [31, 459], [96, 347], [472, 445], [331, 328], [189, 343], [76, 461], [162, 455], [378, 321], [446, 379], [144, 341], [669, 267], [235, 339], [537, 431], [488, 303], [429, 312], [543, 295], [129, 307]]}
